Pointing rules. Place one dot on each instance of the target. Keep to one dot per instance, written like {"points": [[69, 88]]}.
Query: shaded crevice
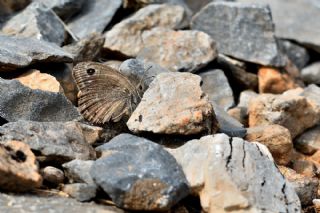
{"points": [[230, 155], [261, 153], [244, 154], [283, 190]]}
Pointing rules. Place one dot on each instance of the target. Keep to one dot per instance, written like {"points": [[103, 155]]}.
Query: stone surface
{"points": [[52, 175], [276, 138], [142, 3], [8, 7], [170, 106], [246, 97], [243, 31], [125, 37], [92, 134], [240, 114], [34, 79], [311, 73], [306, 168], [21, 52], [22, 103], [215, 84], [94, 17], [184, 51], [57, 141], [145, 176], [309, 141], [80, 191], [78, 171], [36, 21], [232, 175], [18, 167]]}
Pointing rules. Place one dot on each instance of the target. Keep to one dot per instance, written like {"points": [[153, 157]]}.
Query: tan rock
{"points": [[34, 79], [305, 168], [52, 175], [240, 114], [276, 138]]}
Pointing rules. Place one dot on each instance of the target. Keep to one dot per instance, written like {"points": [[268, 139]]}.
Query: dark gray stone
{"points": [[22, 103], [56, 141], [243, 31], [80, 191], [21, 52], [309, 141], [95, 17], [144, 175], [78, 171], [311, 73]]}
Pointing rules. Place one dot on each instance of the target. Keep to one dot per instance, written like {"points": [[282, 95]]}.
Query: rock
{"points": [[80, 191], [243, 31], [8, 7], [170, 106], [311, 73], [292, 111], [21, 52], [22, 103], [18, 167], [52, 175], [92, 134], [246, 97], [216, 86], [305, 167], [143, 3], [187, 50], [195, 6], [312, 93], [287, 17], [36, 21], [125, 37], [240, 114], [94, 17], [56, 141], [276, 138], [78, 171], [34, 79], [309, 141], [145, 176], [232, 175], [86, 49]]}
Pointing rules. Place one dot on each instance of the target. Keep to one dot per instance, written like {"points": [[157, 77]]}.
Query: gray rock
{"points": [[21, 52], [312, 93], [52, 175], [232, 175], [8, 7], [22, 103], [195, 6], [309, 141], [245, 97], [78, 171], [36, 21], [94, 18], [80, 191], [311, 73], [56, 141], [144, 175], [243, 31]]}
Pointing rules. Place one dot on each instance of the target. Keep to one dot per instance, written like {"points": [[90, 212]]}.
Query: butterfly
{"points": [[105, 94]]}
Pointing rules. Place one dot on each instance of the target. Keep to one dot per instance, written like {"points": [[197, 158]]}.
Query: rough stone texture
{"points": [[94, 17], [276, 138], [230, 174], [7, 7], [311, 73], [240, 114], [173, 104], [125, 37], [56, 141], [78, 171], [215, 84], [18, 167], [187, 50], [292, 111], [243, 31], [312, 93], [36, 21], [21, 52], [144, 175], [306, 168], [34, 79], [143, 3], [309, 141], [246, 97], [22, 103], [52, 175], [288, 17], [91, 134], [80, 191]]}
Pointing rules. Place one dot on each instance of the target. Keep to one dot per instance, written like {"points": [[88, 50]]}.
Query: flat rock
{"points": [[309, 141], [22, 103], [230, 174], [80, 191], [94, 17], [184, 51], [8, 7], [145, 176], [21, 52], [78, 171], [56, 141], [125, 37], [311, 73], [174, 104], [36, 21], [18, 167], [254, 41]]}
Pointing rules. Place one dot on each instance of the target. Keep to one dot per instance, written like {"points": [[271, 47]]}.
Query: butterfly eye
{"points": [[90, 71]]}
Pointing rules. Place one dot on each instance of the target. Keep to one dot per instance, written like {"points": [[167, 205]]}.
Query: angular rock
{"points": [[309, 141], [243, 31], [215, 84], [22, 103], [312, 93], [94, 17], [78, 171], [36, 21], [21, 52], [246, 97], [18, 167], [8, 7], [276, 138], [52, 175], [230, 174], [174, 104], [145, 176], [92, 134], [80, 191], [125, 37], [56, 141], [311, 73], [184, 51]]}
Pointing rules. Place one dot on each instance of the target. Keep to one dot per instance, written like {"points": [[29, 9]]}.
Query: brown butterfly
{"points": [[105, 94]]}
